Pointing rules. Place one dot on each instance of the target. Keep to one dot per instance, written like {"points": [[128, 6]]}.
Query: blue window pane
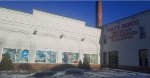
{"points": [[65, 57], [11, 53], [51, 57], [22, 55], [40, 56], [75, 57]]}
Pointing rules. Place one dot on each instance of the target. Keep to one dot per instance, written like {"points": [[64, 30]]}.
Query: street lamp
{"points": [[35, 32], [80, 48], [82, 39], [61, 36]]}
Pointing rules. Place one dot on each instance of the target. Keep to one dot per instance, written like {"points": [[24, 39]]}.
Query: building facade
{"points": [[45, 38], [125, 43]]}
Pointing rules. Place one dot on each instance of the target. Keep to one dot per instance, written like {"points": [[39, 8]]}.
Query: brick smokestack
{"points": [[99, 13]]}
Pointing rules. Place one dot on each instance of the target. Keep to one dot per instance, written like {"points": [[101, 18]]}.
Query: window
{"points": [[143, 57], [113, 59], [105, 59], [22, 55], [40, 56], [94, 59], [105, 39], [17, 55], [91, 58], [142, 32], [69, 57], [43, 56], [11, 53], [51, 57], [87, 57], [75, 57]]}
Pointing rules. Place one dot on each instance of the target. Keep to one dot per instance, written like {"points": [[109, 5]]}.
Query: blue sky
{"points": [[81, 10], [114, 10]]}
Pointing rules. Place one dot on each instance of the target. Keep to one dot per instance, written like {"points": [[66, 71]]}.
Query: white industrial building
{"points": [[125, 43], [47, 38]]}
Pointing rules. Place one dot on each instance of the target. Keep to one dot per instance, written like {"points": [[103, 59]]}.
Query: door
{"points": [[105, 59], [113, 59], [143, 58]]}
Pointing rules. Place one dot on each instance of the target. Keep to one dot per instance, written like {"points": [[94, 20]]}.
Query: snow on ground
{"points": [[105, 73]]}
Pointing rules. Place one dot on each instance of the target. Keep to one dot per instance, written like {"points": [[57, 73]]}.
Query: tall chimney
{"points": [[99, 14]]}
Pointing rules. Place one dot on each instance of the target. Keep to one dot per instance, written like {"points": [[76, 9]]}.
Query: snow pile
{"points": [[74, 71], [78, 73], [44, 74], [4, 75], [101, 74]]}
